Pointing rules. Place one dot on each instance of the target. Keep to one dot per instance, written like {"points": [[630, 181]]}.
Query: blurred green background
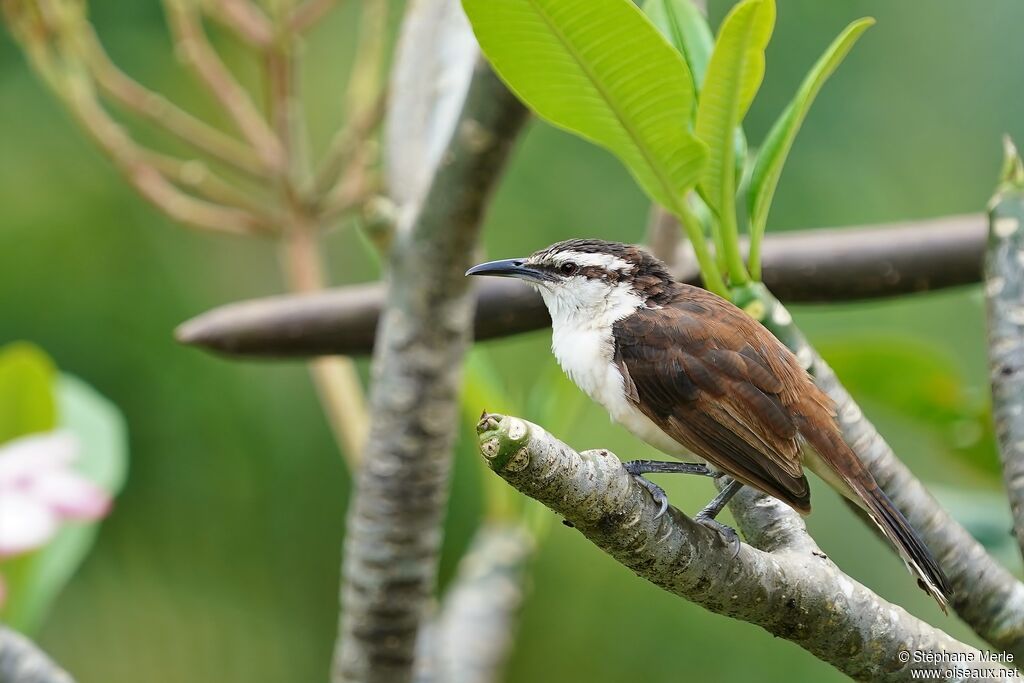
{"points": [[221, 560]]}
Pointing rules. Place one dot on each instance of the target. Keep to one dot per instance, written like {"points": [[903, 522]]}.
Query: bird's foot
{"points": [[638, 468], [728, 534], [706, 517], [657, 493]]}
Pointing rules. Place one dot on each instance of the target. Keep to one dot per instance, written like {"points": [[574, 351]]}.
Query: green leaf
{"points": [[734, 75], [34, 580], [27, 403], [599, 69], [773, 153], [685, 27]]}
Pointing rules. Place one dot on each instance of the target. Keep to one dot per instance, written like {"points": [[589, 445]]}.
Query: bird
{"points": [[691, 374]]}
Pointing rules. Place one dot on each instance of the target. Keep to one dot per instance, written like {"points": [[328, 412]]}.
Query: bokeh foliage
{"points": [[221, 563]]}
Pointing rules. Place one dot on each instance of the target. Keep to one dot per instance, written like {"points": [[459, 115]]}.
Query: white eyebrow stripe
{"points": [[606, 261]]}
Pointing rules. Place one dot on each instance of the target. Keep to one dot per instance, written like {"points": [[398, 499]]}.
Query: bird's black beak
{"points": [[510, 267]]}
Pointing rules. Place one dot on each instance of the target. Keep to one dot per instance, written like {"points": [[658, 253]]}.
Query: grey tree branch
{"points": [[22, 662], [789, 591], [806, 266], [394, 525], [988, 598], [471, 637], [1004, 289]]}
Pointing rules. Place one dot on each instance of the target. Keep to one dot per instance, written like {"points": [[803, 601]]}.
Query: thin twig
{"points": [[335, 377], [247, 20], [791, 591], [76, 90], [343, 177], [196, 175], [308, 14], [663, 234], [343, 152], [157, 109], [195, 48]]}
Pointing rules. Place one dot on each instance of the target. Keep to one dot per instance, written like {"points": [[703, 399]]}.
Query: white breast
{"points": [[585, 354]]}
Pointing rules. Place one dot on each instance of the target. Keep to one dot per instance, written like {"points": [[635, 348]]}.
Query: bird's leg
{"points": [[707, 515], [641, 467], [638, 468]]}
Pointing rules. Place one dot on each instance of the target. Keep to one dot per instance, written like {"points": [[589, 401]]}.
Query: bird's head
{"points": [[588, 280]]}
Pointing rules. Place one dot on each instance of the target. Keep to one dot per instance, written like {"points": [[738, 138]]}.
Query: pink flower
{"points": [[39, 490]]}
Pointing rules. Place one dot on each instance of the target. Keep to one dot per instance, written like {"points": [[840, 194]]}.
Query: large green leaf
{"points": [[34, 580], [599, 69], [27, 403], [773, 153], [685, 27], [733, 77]]}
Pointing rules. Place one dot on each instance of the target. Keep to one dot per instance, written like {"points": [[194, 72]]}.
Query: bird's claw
{"points": [[726, 532], [657, 493]]}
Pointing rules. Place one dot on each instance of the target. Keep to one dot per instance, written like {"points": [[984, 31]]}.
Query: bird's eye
{"points": [[568, 268]]}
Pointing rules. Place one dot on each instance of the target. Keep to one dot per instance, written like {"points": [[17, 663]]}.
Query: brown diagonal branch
{"points": [[246, 19], [306, 15], [394, 524], [805, 266], [784, 587]]}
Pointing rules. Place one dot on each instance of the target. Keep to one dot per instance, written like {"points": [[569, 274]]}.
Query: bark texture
{"points": [[22, 662], [785, 586], [1004, 290], [395, 521], [472, 636], [987, 596]]}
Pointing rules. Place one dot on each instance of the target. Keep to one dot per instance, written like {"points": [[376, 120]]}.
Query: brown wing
{"points": [[722, 386]]}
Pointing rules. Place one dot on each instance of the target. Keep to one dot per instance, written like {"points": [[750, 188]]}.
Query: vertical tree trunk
{"points": [[395, 522], [1004, 290]]}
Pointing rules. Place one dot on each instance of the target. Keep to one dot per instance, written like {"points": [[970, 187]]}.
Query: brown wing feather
{"points": [[718, 383], [722, 386]]}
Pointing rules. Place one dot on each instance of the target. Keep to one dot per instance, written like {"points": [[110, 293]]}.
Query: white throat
{"points": [[581, 340], [590, 304], [581, 331]]}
